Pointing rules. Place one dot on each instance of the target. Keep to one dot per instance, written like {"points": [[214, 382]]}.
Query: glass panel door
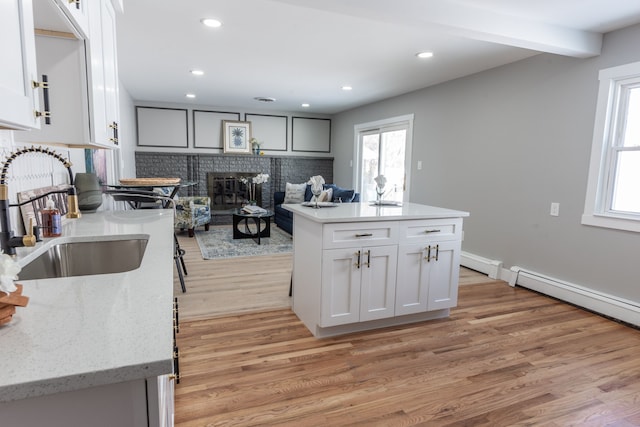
{"points": [[383, 152]]}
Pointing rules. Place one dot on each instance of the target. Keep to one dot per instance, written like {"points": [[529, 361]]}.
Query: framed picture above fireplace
{"points": [[236, 137]]}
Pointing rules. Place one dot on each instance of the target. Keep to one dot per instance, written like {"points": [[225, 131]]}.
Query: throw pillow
{"points": [[294, 193], [345, 195]]}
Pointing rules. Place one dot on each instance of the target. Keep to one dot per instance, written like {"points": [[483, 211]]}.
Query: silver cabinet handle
{"points": [[364, 234], [432, 231], [428, 249], [358, 262]]}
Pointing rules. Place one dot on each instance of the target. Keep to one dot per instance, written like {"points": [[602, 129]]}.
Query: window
{"points": [[613, 189]]}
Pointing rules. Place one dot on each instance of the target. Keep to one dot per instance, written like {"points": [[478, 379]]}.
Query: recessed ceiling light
{"points": [[197, 72], [190, 95], [211, 22], [347, 88], [424, 55], [305, 105]]}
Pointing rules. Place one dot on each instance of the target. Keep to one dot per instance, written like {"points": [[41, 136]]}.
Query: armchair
{"points": [[192, 212]]}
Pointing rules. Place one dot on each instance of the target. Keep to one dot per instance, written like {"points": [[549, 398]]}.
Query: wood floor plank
{"points": [[505, 356]]}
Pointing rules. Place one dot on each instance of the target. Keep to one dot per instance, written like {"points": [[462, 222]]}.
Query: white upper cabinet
{"points": [[75, 49], [18, 100], [62, 60], [104, 75]]}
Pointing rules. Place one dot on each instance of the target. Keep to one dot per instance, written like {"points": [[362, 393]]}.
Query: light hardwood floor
{"points": [[506, 356], [231, 285], [240, 285]]}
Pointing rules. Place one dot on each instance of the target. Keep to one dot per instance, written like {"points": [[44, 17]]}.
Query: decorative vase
{"points": [[9, 302], [89, 191], [256, 151]]}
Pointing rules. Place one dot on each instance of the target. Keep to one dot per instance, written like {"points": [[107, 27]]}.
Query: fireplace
{"points": [[227, 192]]}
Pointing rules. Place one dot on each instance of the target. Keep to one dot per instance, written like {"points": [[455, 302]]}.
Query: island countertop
{"points": [[365, 211], [86, 331]]}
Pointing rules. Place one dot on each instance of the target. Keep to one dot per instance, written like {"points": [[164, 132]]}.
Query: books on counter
{"points": [[251, 209]]}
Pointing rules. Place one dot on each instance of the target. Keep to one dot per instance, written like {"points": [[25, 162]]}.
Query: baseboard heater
{"points": [[617, 308], [487, 266]]}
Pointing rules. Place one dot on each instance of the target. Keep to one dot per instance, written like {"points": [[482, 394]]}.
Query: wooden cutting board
{"points": [[159, 182]]}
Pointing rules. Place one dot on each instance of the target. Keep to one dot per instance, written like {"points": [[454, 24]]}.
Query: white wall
{"points": [[505, 143]]}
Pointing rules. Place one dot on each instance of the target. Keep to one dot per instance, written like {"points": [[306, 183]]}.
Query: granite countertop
{"points": [[87, 331], [358, 212]]}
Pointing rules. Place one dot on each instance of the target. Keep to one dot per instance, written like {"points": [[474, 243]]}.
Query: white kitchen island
{"points": [[359, 267], [94, 350]]}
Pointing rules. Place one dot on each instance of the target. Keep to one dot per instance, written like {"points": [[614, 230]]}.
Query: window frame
{"points": [[611, 101]]}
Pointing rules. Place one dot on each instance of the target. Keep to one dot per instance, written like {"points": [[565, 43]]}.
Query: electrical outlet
{"points": [[419, 164], [555, 209]]}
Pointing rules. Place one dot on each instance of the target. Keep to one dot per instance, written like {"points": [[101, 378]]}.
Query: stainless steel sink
{"points": [[86, 258]]}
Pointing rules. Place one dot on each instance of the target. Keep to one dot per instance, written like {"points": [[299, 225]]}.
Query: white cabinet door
{"points": [[63, 60], [18, 100], [378, 283], [412, 285], [427, 277], [443, 273], [111, 80], [104, 75], [340, 302], [358, 284]]}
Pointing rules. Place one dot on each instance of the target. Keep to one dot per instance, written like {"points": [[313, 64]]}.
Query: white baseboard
{"points": [[599, 302], [490, 267], [608, 305]]}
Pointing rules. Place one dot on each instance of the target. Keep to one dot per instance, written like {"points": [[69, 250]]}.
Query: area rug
{"points": [[218, 243]]}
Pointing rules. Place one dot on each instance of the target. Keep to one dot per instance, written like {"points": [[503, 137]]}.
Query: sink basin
{"points": [[86, 258]]}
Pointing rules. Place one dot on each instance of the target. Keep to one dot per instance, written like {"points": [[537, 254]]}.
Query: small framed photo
{"points": [[236, 137]]}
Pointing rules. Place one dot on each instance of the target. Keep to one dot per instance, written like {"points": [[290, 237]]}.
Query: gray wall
{"points": [[505, 143]]}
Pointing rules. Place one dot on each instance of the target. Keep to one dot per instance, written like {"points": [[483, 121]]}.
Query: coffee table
{"points": [[257, 219]]}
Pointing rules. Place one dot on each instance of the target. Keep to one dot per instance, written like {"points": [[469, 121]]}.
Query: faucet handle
{"points": [[30, 238]]}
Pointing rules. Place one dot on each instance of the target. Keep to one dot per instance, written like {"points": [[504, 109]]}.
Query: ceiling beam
{"points": [[467, 21]]}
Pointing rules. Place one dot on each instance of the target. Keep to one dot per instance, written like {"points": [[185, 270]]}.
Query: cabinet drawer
{"points": [[344, 235], [430, 230]]}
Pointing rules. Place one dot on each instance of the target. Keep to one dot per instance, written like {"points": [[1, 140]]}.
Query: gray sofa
{"points": [[284, 219]]}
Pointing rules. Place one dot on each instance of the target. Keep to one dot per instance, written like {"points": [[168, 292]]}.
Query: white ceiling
{"points": [[305, 50]]}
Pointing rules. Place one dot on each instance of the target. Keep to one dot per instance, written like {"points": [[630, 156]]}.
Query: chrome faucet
{"points": [[9, 242]]}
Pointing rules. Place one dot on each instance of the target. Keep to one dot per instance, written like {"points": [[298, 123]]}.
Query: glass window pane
{"points": [[370, 153], [392, 163], [632, 127], [626, 191]]}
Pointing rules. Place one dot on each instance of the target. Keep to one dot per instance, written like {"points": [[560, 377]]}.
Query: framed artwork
{"points": [[236, 137]]}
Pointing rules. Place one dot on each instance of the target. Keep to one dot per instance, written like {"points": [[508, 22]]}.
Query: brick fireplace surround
{"points": [[194, 167]]}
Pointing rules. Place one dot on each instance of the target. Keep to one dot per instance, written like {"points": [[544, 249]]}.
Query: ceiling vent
{"points": [[264, 99]]}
